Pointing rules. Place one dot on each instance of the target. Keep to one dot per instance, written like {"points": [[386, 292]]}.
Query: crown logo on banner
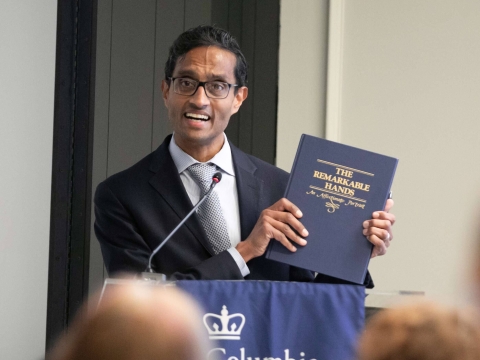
{"points": [[230, 326]]}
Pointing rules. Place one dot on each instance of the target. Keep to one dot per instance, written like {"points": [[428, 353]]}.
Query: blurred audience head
{"points": [[422, 331], [136, 322]]}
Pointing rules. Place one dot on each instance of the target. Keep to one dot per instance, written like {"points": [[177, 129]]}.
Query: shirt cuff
{"points": [[242, 265]]}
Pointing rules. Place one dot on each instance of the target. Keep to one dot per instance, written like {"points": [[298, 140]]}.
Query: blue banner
{"points": [[253, 320]]}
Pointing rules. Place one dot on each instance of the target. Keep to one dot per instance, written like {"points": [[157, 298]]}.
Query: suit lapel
{"points": [[249, 190], [166, 181]]}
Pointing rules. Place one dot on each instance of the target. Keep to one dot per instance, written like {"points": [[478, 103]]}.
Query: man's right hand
{"points": [[279, 222]]}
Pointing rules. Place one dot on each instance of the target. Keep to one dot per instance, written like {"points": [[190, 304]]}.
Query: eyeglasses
{"points": [[213, 89]]}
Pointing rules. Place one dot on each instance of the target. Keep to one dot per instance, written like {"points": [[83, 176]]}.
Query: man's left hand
{"points": [[378, 230]]}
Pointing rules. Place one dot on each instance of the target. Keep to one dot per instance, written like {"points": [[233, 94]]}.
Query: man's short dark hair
{"points": [[205, 35]]}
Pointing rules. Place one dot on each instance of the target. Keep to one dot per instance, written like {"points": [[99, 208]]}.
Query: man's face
{"points": [[199, 121]]}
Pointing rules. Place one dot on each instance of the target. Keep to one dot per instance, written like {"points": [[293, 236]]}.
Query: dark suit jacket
{"points": [[137, 208]]}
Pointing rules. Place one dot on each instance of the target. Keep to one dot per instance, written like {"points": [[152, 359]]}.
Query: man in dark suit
{"points": [[205, 78]]}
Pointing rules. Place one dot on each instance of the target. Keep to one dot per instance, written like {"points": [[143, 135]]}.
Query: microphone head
{"points": [[217, 177]]}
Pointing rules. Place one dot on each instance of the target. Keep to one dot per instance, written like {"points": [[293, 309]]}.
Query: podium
{"points": [[249, 320]]}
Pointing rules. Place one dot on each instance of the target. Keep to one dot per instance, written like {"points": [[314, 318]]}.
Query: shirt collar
{"points": [[223, 159]]}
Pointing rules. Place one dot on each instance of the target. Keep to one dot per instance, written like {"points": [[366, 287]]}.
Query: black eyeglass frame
{"points": [[202, 84]]}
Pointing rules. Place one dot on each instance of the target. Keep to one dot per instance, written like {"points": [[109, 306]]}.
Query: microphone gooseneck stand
{"points": [[149, 273]]}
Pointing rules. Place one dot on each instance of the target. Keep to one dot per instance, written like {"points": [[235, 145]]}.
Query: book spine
{"points": [[384, 203], [297, 155], [391, 181], [299, 149]]}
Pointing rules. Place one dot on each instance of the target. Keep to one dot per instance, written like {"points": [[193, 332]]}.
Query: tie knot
{"points": [[203, 173]]}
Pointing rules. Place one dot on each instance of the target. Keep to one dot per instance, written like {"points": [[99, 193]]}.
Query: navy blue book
{"points": [[337, 187]]}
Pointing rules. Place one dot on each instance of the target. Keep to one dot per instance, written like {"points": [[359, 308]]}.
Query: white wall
{"points": [[410, 88], [27, 67], [302, 75]]}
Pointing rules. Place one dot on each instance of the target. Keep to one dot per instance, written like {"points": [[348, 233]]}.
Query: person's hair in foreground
{"points": [[137, 322], [205, 35], [422, 331]]}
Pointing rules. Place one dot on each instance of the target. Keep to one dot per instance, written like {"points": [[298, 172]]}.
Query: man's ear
{"points": [[165, 89], [240, 97]]}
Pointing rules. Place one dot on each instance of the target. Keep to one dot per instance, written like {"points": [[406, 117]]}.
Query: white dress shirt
{"points": [[226, 191]]}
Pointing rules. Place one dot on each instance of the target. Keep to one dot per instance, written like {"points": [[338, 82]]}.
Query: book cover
{"points": [[337, 187]]}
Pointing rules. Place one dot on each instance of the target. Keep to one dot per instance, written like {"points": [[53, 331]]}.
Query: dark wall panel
{"points": [[170, 23], [131, 82], [235, 16], [100, 141], [265, 74], [220, 13], [197, 12], [247, 42], [71, 164], [221, 17]]}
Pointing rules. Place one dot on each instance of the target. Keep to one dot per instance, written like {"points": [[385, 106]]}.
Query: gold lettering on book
{"points": [[355, 204], [343, 172], [329, 179], [339, 189], [341, 181], [345, 167], [338, 194]]}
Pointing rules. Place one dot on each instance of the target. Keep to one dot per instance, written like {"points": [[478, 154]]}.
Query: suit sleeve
{"points": [[218, 267], [124, 249]]}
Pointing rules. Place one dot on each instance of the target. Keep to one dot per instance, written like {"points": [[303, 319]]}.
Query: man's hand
{"points": [[279, 222], [379, 230]]}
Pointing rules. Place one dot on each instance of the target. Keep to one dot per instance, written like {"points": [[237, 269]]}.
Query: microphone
{"points": [[216, 178]]}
